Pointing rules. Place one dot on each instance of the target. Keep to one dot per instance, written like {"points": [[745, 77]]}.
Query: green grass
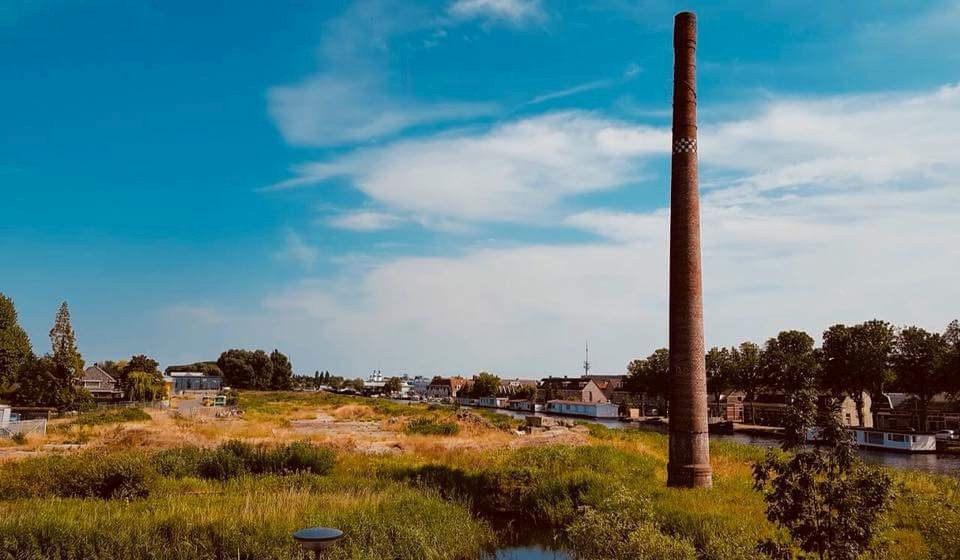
{"points": [[426, 426], [110, 416], [607, 499]]}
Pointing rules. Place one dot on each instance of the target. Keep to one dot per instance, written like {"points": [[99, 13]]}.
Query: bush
{"points": [[425, 426], [19, 438], [85, 475], [237, 458], [111, 416], [622, 528]]}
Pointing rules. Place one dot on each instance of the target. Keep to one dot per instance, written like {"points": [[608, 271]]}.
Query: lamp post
{"points": [[317, 539]]}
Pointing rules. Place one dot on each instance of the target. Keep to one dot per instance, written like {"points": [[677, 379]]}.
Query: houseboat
{"points": [[493, 402], [587, 409], [895, 440], [890, 440], [525, 405]]}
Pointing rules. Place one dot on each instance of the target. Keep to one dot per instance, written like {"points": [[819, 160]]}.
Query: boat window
{"points": [[897, 437], [874, 437]]}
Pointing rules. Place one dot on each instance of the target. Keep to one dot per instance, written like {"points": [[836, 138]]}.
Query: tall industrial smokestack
{"points": [[689, 464]]}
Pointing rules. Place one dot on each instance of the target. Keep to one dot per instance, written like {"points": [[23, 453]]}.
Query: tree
{"points": [[485, 385], [789, 362], [650, 376], [46, 382], [393, 385], [951, 365], [857, 359], [721, 372], [282, 371], [64, 343], [139, 363], [829, 502], [14, 346], [237, 370], [143, 386], [53, 379], [918, 360], [748, 376]]}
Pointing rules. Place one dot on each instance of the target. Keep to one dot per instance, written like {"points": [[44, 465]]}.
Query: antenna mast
{"points": [[586, 361]]}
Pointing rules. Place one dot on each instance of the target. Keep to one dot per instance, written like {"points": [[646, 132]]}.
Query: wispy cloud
{"points": [[365, 220], [588, 86], [297, 250], [633, 69], [816, 210], [349, 100], [512, 12], [514, 171]]}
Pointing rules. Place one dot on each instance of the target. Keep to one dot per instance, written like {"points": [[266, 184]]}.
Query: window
{"points": [[897, 437], [875, 437]]}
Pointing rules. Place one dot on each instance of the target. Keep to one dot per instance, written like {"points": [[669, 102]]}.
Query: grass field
{"points": [[136, 489]]}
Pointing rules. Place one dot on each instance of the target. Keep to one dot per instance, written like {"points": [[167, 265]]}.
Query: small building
{"points": [[419, 384], [101, 385], [586, 409], [581, 389], [902, 411], [445, 387], [193, 381], [768, 409], [5, 415]]}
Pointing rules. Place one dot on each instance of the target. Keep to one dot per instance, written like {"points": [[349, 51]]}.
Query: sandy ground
{"points": [[348, 427]]}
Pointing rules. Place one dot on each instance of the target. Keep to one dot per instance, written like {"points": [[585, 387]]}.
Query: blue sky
{"points": [[467, 184]]}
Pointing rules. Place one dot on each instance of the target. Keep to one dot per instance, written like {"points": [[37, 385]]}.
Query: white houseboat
{"points": [[908, 442], [525, 405], [493, 402], [889, 440], [588, 409]]}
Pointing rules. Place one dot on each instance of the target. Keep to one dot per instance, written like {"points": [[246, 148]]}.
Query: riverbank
{"points": [[408, 495]]}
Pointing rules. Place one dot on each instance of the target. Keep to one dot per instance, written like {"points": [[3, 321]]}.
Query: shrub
{"points": [[19, 438], [178, 462], [111, 416], [298, 457], [85, 475], [426, 426], [622, 528], [236, 458]]}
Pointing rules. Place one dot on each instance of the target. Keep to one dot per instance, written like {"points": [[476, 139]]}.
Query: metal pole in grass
{"points": [[317, 539]]}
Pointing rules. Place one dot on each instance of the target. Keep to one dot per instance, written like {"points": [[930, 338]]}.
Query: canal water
{"points": [[534, 552], [938, 463]]}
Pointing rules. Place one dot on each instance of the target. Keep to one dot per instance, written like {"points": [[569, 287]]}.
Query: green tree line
{"points": [[872, 357]]}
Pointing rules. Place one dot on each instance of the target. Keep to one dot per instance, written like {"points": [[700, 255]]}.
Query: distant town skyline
{"points": [[463, 185]]}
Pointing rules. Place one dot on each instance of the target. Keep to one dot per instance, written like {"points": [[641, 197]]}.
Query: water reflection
{"points": [[531, 553]]}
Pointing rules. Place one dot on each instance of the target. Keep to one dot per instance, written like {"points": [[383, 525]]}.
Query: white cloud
{"points": [[513, 12], [512, 172], [587, 86], [336, 109], [364, 220], [297, 250], [818, 211], [350, 100]]}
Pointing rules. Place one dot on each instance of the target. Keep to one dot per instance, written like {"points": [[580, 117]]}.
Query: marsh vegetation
{"points": [[242, 486]]}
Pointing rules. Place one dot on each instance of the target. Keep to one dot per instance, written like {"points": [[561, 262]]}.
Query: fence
{"points": [[25, 427]]}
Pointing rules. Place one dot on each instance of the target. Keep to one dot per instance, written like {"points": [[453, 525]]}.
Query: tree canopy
{"points": [[246, 369], [14, 346], [485, 385]]}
